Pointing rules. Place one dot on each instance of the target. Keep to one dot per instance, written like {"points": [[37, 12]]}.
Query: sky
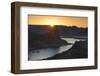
{"points": [[58, 20]]}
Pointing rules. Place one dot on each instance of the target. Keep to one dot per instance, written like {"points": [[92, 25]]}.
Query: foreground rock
{"points": [[79, 50]]}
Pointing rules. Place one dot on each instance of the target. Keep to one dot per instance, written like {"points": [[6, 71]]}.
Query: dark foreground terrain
{"points": [[79, 50]]}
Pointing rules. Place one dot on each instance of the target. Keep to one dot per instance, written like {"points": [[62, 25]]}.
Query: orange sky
{"points": [[58, 20]]}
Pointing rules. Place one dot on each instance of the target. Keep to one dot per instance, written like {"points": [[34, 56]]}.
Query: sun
{"points": [[52, 25]]}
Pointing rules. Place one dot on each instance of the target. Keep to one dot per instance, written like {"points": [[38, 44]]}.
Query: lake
{"points": [[49, 52]]}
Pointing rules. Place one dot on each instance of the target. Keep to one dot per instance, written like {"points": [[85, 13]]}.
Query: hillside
{"points": [[43, 37]]}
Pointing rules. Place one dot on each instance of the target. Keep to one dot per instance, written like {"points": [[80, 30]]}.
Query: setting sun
{"points": [[52, 25], [58, 20]]}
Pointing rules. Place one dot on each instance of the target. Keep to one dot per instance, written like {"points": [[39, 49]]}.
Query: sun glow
{"points": [[58, 20], [52, 25]]}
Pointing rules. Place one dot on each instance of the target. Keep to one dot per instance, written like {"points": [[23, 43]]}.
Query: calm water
{"points": [[49, 52]]}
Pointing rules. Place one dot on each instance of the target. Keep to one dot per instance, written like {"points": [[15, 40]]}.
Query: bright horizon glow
{"points": [[52, 25], [58, 20]]}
